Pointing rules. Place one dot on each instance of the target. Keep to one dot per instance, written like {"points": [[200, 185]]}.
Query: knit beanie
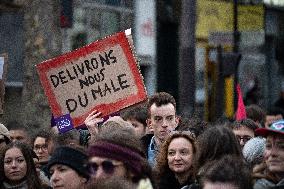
{"points": [[70, 157], [107, 149], [118, 120], [253, 150]]}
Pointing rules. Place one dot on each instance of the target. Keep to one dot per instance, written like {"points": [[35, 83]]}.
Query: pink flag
{"points": [[241, 110]]}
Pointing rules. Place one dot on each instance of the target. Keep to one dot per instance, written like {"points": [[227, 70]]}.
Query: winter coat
{"points": [[146, 139], [22, 185], [264, 179], [266, 184], [169, 181]]}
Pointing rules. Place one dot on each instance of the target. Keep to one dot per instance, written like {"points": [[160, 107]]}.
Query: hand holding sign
{"points": [[102, 76], [92, 123]]}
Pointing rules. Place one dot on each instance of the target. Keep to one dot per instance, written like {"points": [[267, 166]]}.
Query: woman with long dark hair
{"points": [[213, 144], [17, 168]]}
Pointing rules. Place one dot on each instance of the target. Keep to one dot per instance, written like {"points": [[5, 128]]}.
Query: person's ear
{"points": [[177, 120], [149, 122]]}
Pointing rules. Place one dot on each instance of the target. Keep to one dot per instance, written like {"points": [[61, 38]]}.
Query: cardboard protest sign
{"points": [[3, 75], [103, 76]]}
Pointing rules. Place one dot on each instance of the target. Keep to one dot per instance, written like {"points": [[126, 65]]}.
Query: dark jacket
{"points": [[146, 139], [169, 181]]}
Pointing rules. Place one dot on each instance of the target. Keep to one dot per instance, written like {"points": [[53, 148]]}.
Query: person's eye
{"points": [[268, 146], [62, 169], [184, 152], [170, 118], [8, 161], [157, 119], [171, 153], [247, 138], [20, 160]]}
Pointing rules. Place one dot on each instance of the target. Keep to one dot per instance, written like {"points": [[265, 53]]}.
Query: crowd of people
{"points": [[148, 146]]}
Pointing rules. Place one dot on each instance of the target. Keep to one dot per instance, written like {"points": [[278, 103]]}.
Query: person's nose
{"points": [[164, 123], [54, 178], [14, 164], [40, 150], [273, 151], [177, 156], [100, 173], [242, 143]]}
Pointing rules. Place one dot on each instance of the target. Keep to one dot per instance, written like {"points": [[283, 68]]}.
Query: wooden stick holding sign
{"points": [[102, 76], [3, 76]]}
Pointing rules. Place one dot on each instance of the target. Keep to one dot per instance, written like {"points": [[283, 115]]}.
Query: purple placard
{"points": [[64, 123], [52, 121]]}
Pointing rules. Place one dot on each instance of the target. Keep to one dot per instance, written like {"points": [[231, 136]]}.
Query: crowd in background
{"points": [[148, 146]]}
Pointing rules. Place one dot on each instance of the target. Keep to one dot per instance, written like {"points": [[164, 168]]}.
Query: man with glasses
{"points": [[117, 153], [42, 143], [244, 130], [162, 118]]}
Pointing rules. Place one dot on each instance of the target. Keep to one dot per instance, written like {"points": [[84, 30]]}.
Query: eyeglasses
{"points": [[107, 166], [40, 147], [243, 138]]}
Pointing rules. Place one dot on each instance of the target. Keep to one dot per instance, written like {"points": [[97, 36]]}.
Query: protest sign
{"points": [[103, 75], [3, 75]]}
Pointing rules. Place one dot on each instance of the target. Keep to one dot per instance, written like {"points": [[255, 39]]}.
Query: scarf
{"points": [[22, 185]]}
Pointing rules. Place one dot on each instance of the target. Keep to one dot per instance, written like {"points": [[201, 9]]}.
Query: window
{"points": [[94, 20], [12, 42]]}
